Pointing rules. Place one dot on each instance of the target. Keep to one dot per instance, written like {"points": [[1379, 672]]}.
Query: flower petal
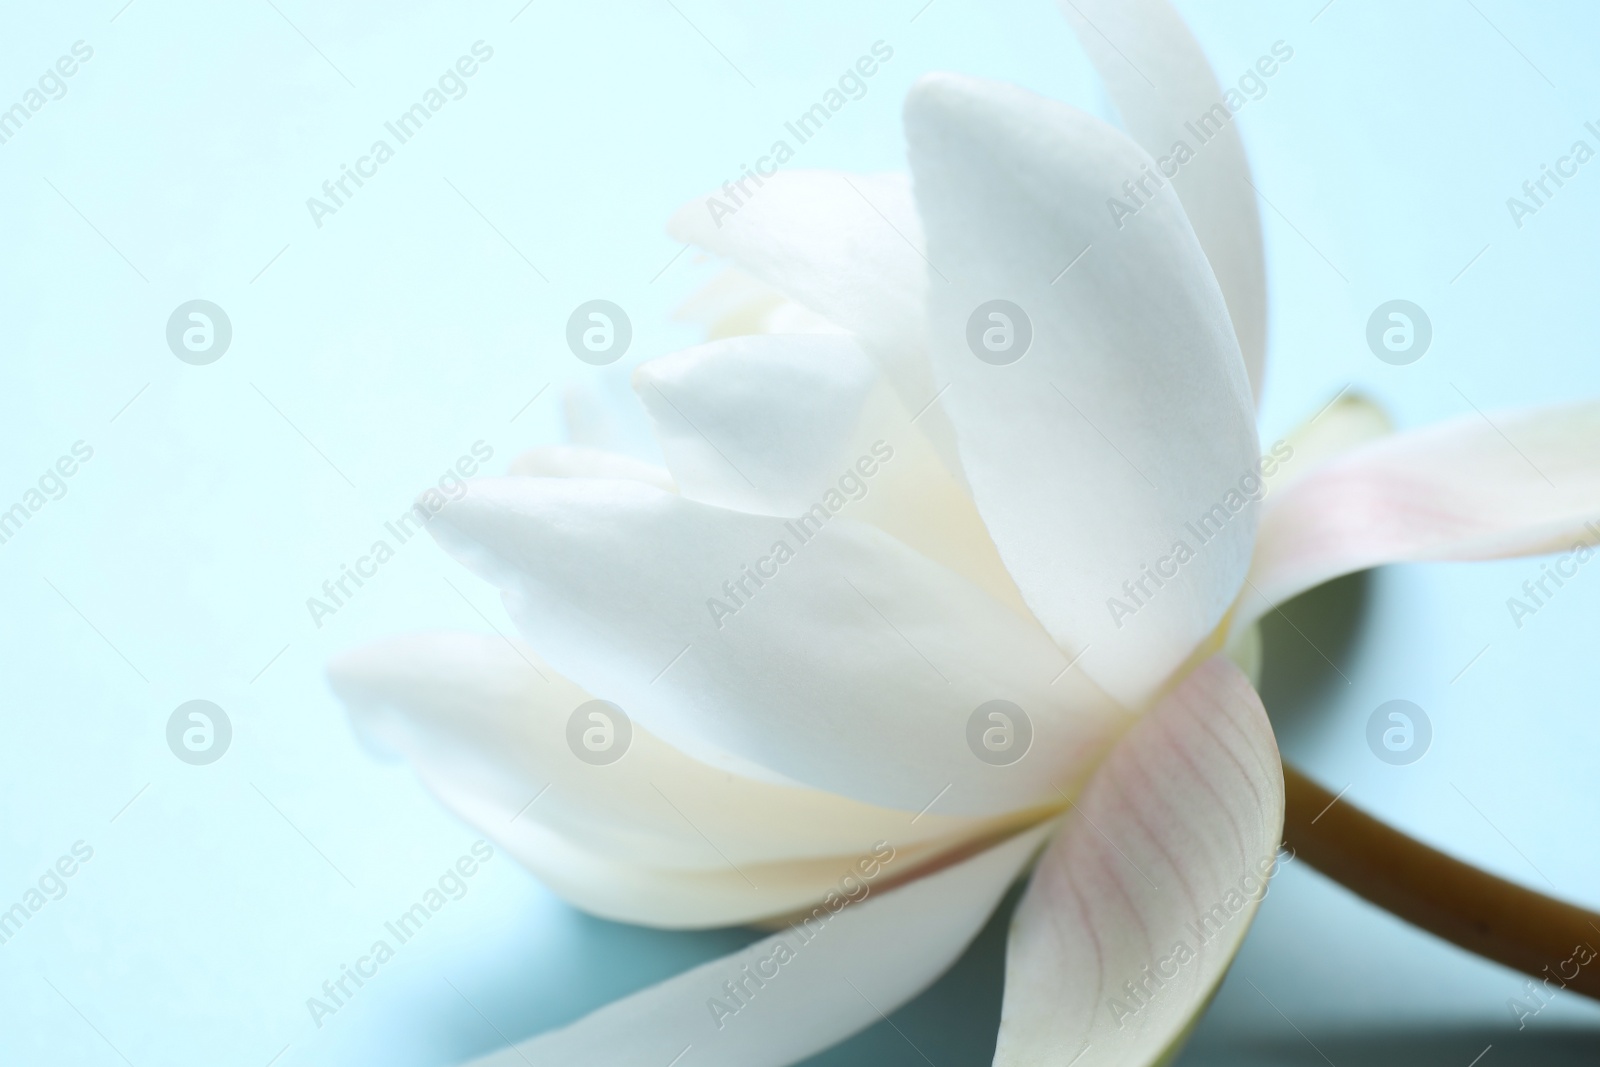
{"points": [[655, 837], [582, 461], [763, 423], [1344, 424], [1159, 80], [1128, 417], [847, 246], [1477, 487], [616, 886], [733, 304], [839, 974], [850, 663], [774, 425], [1140, 902]]}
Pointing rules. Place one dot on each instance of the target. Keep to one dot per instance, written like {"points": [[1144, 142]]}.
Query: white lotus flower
{"points": [[953, 533]]}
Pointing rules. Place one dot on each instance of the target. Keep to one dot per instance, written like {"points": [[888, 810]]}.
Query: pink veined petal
{"points": [[1476, 487], [1160, 82], [862, 962], [1143, 897], [1127, 420]]}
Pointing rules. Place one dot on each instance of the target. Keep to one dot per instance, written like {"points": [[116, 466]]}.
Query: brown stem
{"points": [[1532, 933]]}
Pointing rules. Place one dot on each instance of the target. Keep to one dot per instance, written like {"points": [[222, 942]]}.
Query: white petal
{"points": [[847, 246], [1160, 81], [581, 461], [762, 423], [600, 414], [850, 248], [1344, 424], [1477, 487], [655, 837], [773, 425], [733, 304], [1151, 884], [853, 667], [1129, 416], [865, 961], [614, 885]]}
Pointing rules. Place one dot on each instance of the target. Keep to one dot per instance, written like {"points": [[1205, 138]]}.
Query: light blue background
{"points": [[406, 328]]}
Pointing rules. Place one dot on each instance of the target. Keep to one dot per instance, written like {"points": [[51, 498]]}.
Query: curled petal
{"points": [[1477, 487], [1164, 89], [816, 983], [1143, 897], [1128, 415]]}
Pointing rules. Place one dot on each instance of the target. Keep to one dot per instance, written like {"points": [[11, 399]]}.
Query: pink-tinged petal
{"points": [[1127, 418], [1342, 425], [1167, 95], [836, 977], [1476, 487], [1140, 902]]}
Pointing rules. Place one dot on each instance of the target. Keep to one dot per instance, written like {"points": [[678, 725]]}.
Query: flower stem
{"points": [[1538, 935]]}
